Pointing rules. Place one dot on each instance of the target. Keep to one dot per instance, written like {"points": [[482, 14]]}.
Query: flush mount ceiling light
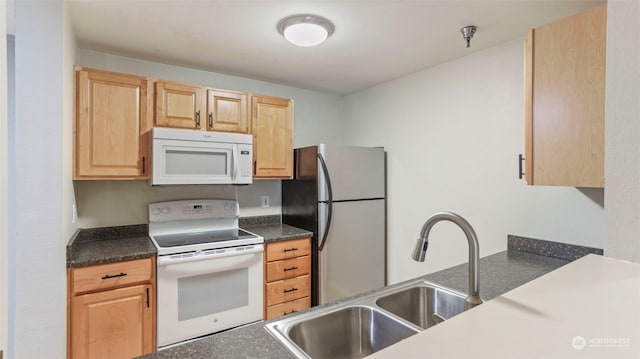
{"points": [[305, 29]]}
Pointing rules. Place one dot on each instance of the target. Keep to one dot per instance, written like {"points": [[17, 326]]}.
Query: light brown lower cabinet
{"points": [[287, 277], [112, 310]]}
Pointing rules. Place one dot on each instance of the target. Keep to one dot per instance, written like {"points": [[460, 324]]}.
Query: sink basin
{"points": [[365, 324], [423, 305], [353, 332]]}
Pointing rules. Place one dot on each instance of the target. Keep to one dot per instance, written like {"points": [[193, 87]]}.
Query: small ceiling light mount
{"points": [[305, 29], [467, 33]]}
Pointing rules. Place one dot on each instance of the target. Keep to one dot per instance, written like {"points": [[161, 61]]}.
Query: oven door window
{"points": [[207, 294]]}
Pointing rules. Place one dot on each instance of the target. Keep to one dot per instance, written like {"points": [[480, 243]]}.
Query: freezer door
{"points": [[354, 172], [353, 258]]}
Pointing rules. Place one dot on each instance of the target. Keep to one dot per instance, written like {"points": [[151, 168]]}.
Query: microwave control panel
{"points": [[245, 162]]}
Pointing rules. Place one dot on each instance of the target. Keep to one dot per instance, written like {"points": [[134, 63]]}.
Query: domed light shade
{"points": [[305, 30]]}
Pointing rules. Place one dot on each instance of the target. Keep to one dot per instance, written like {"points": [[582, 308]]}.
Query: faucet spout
{"points": [[420, 250]]}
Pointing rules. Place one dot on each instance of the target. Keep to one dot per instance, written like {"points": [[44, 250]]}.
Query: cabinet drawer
{"points": [[288, 289], [288, 268], [105, 276], [288, 249], [293, 306]]}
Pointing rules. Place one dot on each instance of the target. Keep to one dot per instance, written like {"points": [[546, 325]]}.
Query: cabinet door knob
{"points": [[210, 119], [198, 118]]}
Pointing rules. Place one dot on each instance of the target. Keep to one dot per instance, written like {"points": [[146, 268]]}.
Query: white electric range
{"points": [[209, 271]]}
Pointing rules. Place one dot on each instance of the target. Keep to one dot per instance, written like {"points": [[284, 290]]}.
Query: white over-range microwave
{"points": [[182, 156]]}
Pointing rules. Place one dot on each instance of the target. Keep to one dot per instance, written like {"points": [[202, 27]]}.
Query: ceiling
{"points": [[374, 41]]}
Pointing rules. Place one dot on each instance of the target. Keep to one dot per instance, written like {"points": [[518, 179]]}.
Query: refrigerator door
{"points": [[353, 258], [354, 172]]}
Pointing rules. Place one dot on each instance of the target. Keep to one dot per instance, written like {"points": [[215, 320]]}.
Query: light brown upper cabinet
{"points": [[564, 101], [113, 115], [272, 129], [228, 111], [179, 105], [200, 108]]}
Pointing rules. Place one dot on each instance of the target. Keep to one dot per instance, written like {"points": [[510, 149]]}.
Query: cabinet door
{"points": [[272, 129], [178, 105], [112, 324], [113, 119], [227, 111], [564, 106]]}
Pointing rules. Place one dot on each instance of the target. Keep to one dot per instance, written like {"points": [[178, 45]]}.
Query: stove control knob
{"points": [[166, 210], [155, 211]]}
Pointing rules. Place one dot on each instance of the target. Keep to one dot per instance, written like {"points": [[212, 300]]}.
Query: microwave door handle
{"points": [[236, 163]]}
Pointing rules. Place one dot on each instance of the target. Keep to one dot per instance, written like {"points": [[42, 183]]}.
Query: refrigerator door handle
{"points": [[329, 202]]}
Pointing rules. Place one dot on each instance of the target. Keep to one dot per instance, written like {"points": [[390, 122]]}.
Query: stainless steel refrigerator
{"points": [[339, 193]]}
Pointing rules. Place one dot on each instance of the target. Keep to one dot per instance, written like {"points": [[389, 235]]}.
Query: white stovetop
{"points": [[587, 309]]}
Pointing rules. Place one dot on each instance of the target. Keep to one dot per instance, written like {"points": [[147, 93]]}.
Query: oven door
{"points": [[208, 292], [193, 162]]}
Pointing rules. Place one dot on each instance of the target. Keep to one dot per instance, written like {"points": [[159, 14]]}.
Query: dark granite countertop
{"points": [[499, 273], [271, 229], [278, 232], [107, 245], [115, 244]]}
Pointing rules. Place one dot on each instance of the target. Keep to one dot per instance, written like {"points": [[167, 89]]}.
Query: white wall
{"points": [[318, 118], [39, 320], [453, 133], [11, 74], [4, 170], [69, 50], [622, 141]]}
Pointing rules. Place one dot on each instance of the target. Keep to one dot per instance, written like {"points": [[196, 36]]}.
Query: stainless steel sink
{"points": [[363, 325], [352, 332], [424, 305]]}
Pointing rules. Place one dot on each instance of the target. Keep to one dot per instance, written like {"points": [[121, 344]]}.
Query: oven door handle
{"points": [[213, 265], [168, 261]]}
